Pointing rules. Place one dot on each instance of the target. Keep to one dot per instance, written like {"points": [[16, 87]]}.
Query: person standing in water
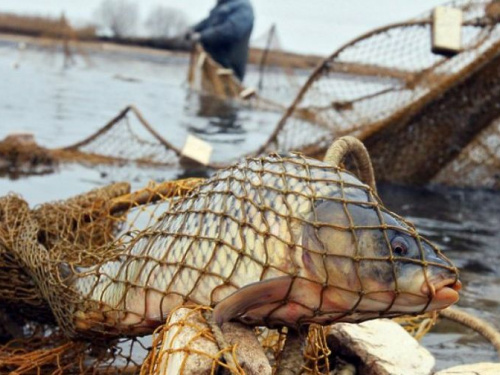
{"points": [[225, 34]]}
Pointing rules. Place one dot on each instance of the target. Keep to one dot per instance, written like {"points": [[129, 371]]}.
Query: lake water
{"points": [[63, 105]]}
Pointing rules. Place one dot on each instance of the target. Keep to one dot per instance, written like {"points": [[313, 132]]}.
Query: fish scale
{"points": [[223, 232], [242, 227]]}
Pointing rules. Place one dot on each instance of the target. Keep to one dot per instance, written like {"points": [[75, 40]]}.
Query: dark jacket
{"points": [[225, 34]]}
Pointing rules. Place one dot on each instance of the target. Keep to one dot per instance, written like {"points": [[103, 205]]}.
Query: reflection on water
{"points": [[62, 106], [222, 115], [465, 224]]}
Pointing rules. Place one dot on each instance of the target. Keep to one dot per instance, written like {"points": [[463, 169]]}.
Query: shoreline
{"points": [[274, 58], [97, 46]]}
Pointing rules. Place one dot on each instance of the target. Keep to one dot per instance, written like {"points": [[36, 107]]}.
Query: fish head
{"points": [[372, 264], [353, 260]]}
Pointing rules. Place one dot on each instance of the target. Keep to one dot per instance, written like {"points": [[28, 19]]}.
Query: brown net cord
{"points": [[478, 164], [208, 77], [423, 117], [417, 326], [20, 157], [342, 148], [316, 353], [128, 137], [281, 74], [485, 329], [201, 346], [80, 230]]}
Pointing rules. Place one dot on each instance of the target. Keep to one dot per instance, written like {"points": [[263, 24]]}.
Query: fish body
{"points": [[280, 240]]}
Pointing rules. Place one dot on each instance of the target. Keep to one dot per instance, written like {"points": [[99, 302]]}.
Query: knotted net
{"points": [[109, 267]]}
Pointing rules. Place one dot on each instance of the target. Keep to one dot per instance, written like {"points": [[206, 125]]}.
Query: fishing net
{"points": [[275, 73], [69, 229], [414, 110], [208, 77], [80, 230], [478, 164], [96, 274], [272, 80], [127, 139], [20, 155]]}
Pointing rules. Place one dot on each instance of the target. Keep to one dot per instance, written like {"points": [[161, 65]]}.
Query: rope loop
{"points": [[348, 145]]}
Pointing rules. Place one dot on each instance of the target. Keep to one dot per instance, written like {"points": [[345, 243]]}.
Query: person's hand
{"points": [[192, 36], [195, 37]]}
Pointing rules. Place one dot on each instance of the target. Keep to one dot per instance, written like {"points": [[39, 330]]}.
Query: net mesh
{"points": [[478, 164], [128, 137], [272, 80], [279, 74], [207, 76], [210, 78], [108, 267], [219, 239], [80, 231], [414, 110]]}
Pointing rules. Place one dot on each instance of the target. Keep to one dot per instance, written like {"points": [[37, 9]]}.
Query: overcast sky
{"points": [[309, 26]]}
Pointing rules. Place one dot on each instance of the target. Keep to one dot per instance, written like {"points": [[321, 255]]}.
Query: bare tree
{"points": [[120, 16], [166, 22]]}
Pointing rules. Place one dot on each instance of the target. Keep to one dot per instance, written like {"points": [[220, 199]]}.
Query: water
{"points": [[466, 225], [61, 106]]}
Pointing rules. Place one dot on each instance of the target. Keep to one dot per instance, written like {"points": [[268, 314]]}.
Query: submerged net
{"points": [[272, 80], [208, 77], [414, 110], [109, 267]]}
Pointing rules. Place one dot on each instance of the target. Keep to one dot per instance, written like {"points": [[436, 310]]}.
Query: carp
{"points": [[279, 240]]}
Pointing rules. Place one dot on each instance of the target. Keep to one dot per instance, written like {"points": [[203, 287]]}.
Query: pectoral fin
{"points": [[251, 297]]}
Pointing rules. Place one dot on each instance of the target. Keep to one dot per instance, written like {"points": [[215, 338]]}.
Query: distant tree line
{"points": [[122, 18]]}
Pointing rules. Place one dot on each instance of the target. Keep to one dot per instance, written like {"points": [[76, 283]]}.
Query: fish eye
{"points": [[399, 246]]}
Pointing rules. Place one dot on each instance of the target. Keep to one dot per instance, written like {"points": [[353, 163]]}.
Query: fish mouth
{"points": [[442, 291]]}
